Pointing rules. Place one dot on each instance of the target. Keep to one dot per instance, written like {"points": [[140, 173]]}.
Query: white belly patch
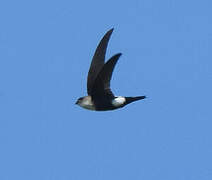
{"points": [[118, 101]]}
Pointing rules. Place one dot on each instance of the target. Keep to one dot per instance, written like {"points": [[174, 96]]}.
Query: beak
{"points": [[76, 102]]}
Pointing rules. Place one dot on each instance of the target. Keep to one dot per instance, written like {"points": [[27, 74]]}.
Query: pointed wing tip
{"points": [[116, 56], [110, 31]]}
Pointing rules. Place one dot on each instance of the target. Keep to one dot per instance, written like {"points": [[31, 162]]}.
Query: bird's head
{"points": [[79, 101], [85, 102]]}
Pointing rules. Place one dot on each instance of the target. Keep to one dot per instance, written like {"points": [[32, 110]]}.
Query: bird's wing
{"points": [[98, 61], [101, 87]]}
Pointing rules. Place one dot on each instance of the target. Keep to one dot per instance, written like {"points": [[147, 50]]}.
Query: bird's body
{"points": [[101, 104], [100, 96], [106, 104]]}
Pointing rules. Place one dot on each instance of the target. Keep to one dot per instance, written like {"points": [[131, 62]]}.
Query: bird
{"points": [[100, 96]]}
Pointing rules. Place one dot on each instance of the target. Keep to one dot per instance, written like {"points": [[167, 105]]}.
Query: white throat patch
{"points": [[87, 103], [118, 101]]}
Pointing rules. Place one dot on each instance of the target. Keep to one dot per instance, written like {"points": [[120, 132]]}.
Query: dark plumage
{"points": [[100, 96]]}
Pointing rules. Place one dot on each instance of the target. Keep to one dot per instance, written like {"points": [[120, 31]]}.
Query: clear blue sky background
{"points": [[45, 52]]}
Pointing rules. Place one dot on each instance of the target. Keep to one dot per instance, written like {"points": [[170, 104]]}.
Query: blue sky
{"points": [[45, 52]]}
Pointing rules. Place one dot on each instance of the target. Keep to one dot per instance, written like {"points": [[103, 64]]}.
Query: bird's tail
{"points": [[132, 99]]}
